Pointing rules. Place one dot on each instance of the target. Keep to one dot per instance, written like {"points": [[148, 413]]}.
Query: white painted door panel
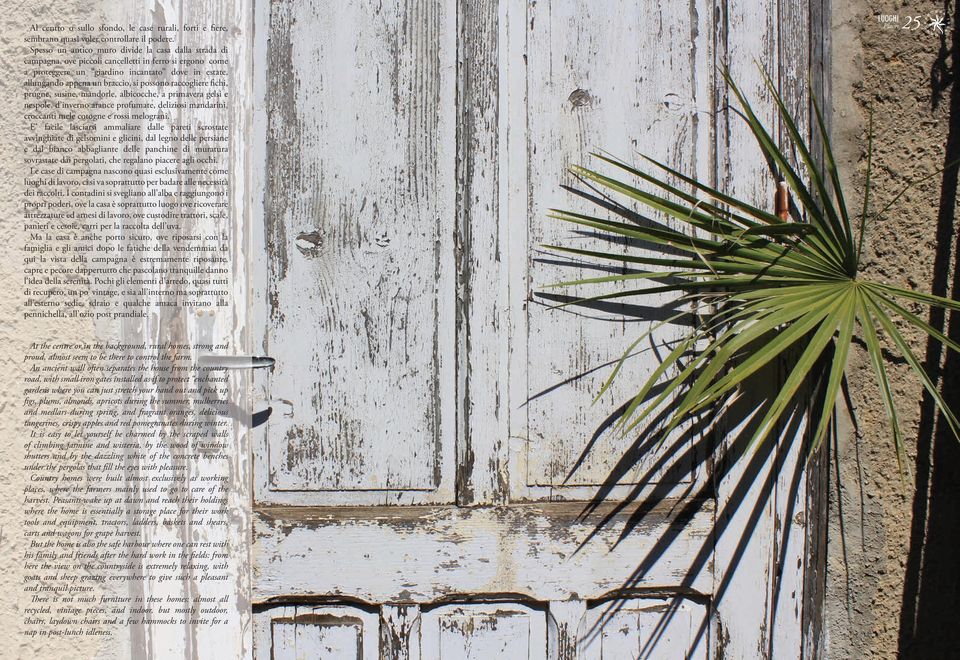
{"points": [[360, 155], [646, 628], [317, 633], [627, 78], [477, 632]]}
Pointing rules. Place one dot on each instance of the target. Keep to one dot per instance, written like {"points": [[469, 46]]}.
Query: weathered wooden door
{"points": [[415, 495]]}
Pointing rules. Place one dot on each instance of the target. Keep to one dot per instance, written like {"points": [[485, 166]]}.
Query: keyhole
{"points": [[672, 102]]}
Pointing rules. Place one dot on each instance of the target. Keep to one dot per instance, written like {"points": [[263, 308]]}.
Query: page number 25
{"points": [[913, 23]]}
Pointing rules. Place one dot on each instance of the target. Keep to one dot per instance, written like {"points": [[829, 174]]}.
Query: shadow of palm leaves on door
{"points": [[717, 442], [713, 444]]}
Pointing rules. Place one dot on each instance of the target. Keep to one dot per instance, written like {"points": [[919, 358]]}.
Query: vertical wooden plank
{"points": [[745, 504], [481, 368], [791, 501], [514, 210], [815, 553], [761, 518], [565, 618], [399, 632], [818, 470]]}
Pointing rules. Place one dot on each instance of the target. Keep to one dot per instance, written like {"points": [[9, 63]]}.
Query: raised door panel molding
{"points": [[630, 78], [359, 226], [483, 632], [316, 633], [646, 628], [423, 554], [642, 627]]}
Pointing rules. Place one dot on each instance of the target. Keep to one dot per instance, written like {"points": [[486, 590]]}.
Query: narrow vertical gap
{"points": [[775, 571], [463, 453], [720, 138]]}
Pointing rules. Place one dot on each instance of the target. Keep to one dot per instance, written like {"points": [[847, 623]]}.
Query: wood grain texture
{"points": [[745, 549], [359, 201], [818, 469], [423, 554], [787, 593], [302, 641], [481, 283], [399, 632], [566, 628]]}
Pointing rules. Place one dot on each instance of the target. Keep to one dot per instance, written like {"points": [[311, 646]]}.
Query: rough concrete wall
{"points": [[899, 75], [16, 333]]}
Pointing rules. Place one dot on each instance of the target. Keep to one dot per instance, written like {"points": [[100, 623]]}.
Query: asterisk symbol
{"points": [[936, 23]]}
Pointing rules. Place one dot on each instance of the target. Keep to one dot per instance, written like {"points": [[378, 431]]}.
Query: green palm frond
{"points": [[779, 287]]}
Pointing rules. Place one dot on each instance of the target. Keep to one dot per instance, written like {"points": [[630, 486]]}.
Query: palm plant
{"points": [[776, 285]]}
